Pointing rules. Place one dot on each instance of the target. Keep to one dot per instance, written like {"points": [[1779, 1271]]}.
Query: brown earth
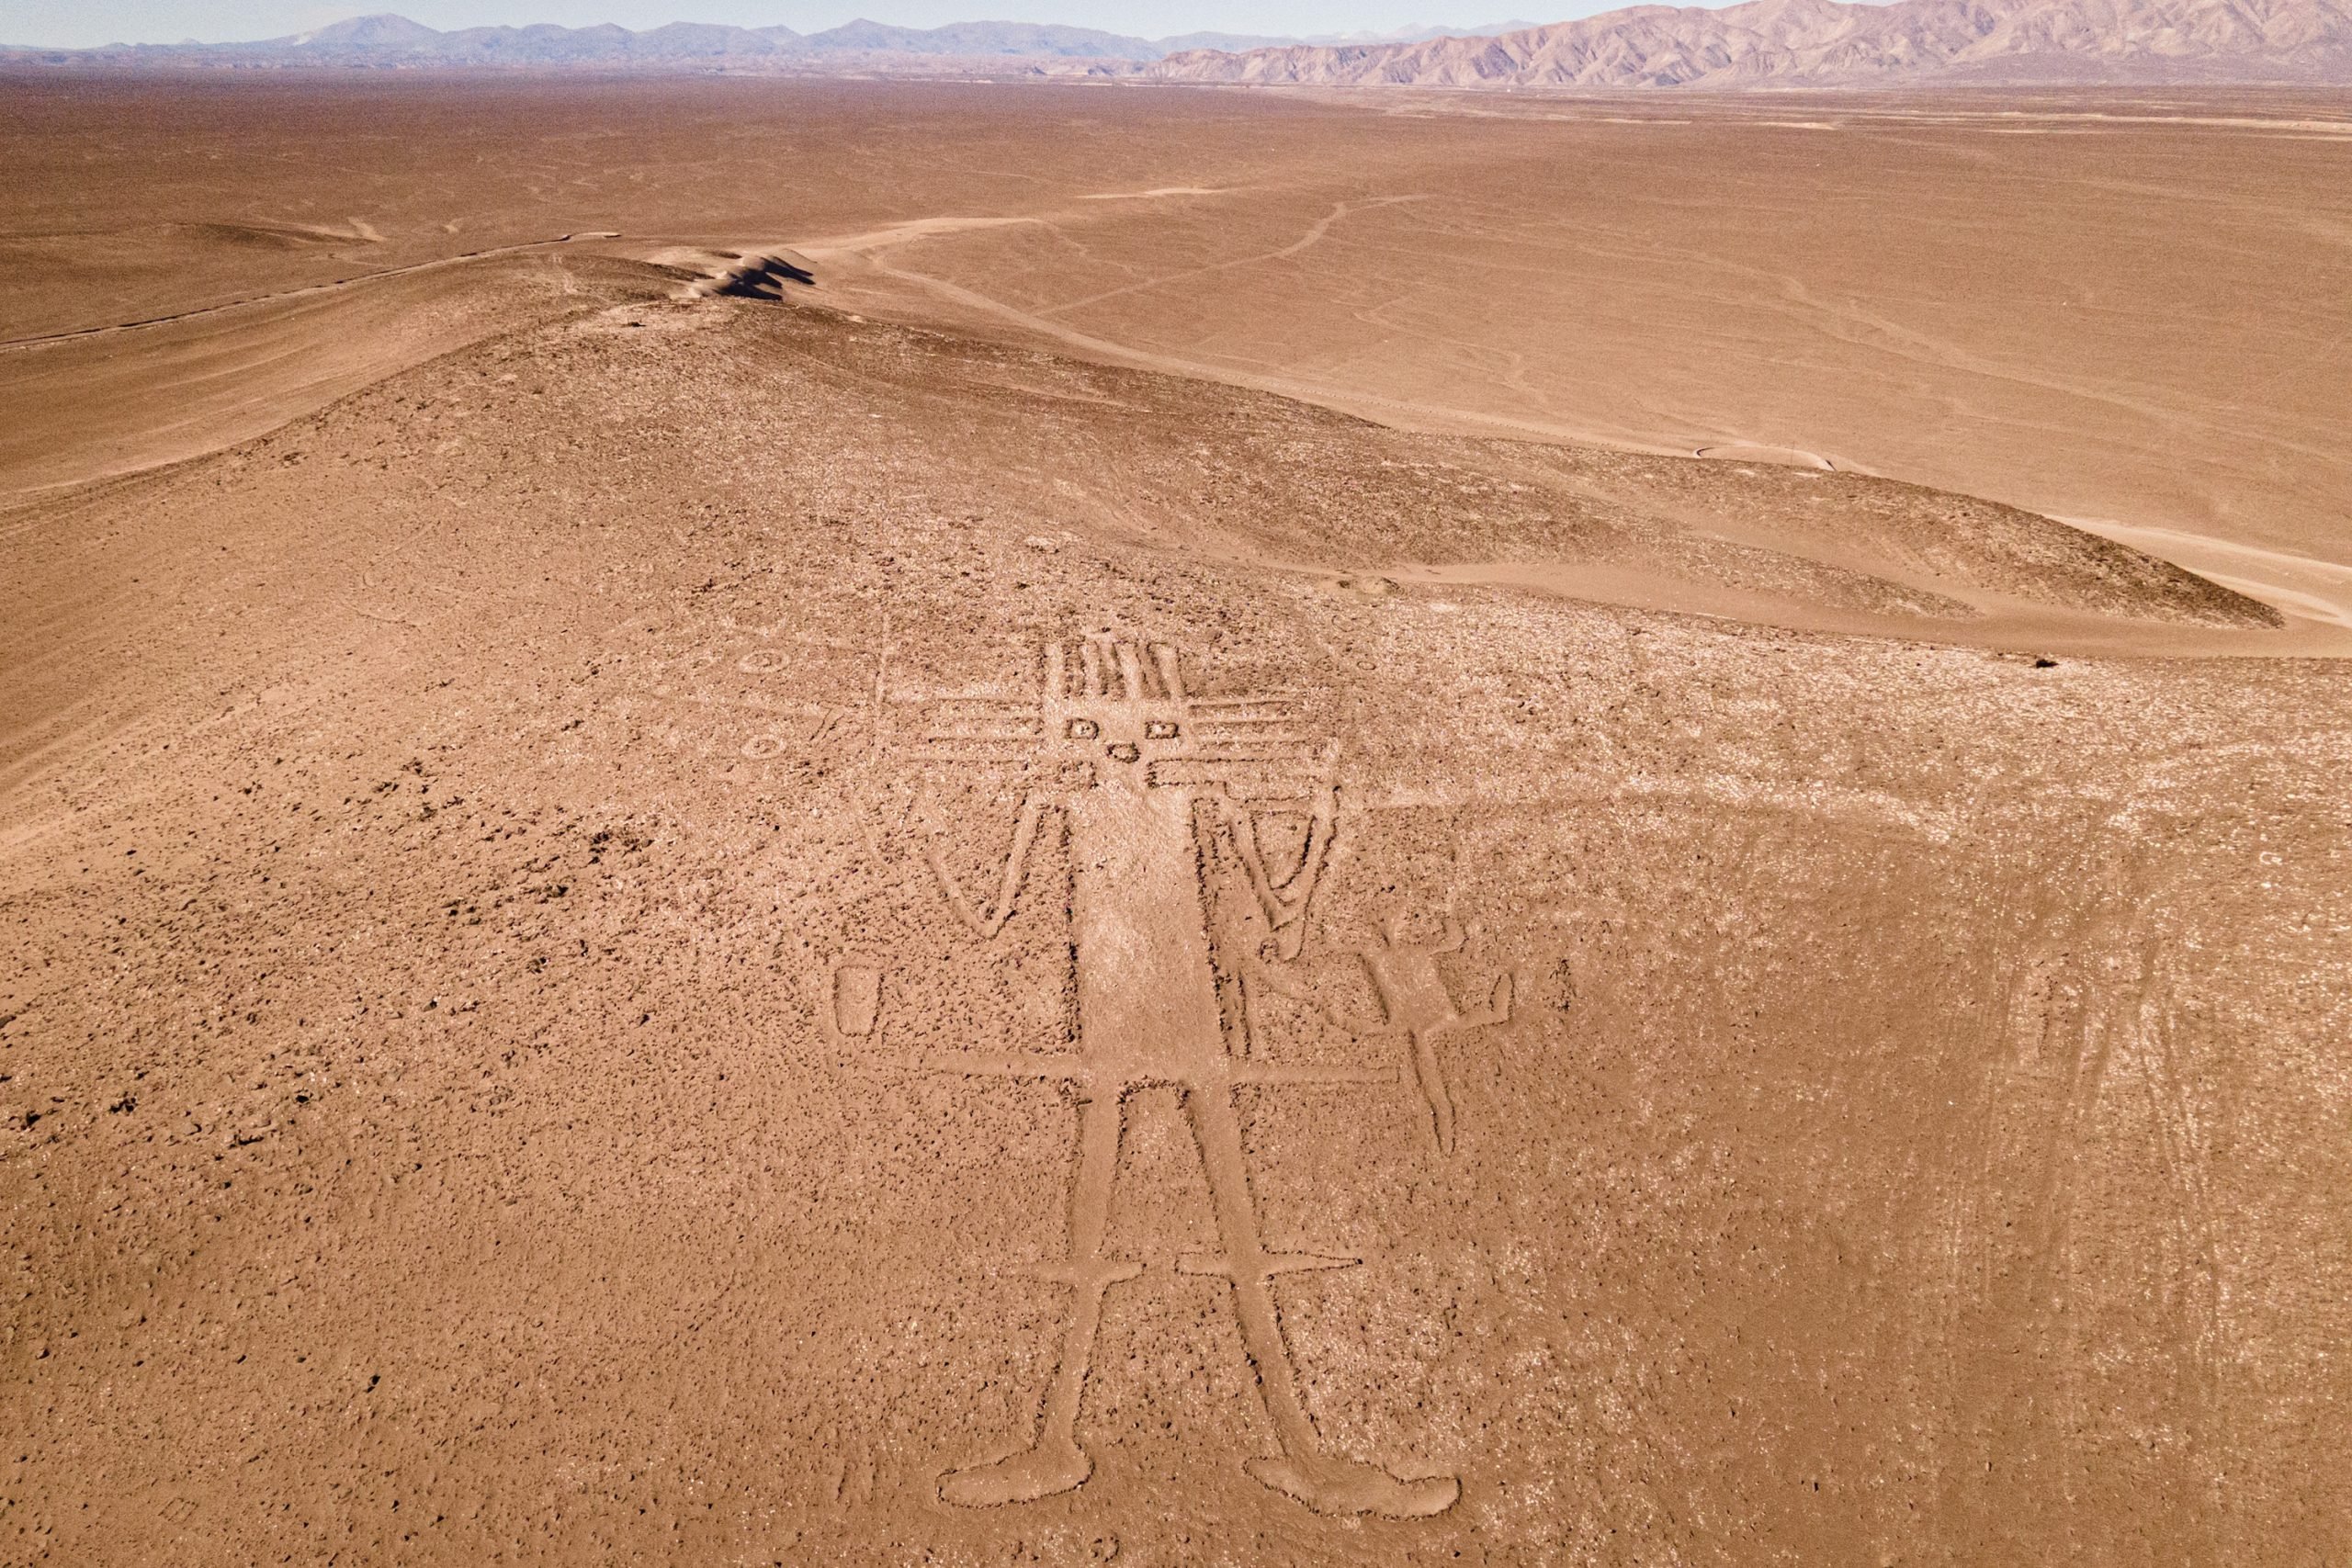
{"points": [[653, 912]]}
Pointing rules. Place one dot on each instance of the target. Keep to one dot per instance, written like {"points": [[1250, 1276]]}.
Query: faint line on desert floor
{"points": [[1314, 235], [306, 289]]}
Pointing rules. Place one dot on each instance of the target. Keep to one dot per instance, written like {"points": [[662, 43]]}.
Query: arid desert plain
{"points": [[764, 821]]}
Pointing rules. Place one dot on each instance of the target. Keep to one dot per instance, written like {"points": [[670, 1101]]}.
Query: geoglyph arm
{"points": [[1025, 833], [1285, 899]]}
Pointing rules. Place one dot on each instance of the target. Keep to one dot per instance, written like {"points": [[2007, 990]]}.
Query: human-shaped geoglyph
{"points": [[1416, 1002], [1152, 785]]}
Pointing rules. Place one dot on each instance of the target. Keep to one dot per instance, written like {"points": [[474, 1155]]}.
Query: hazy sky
{"points": [[69, 23]]}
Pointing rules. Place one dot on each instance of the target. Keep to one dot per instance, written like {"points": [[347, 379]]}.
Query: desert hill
{"points": [[1827, 43], [547, 763], [710, 856]]}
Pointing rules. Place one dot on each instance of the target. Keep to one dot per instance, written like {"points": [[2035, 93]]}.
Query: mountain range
{"points": [[1768, 43], [1824, 43], [386, 40]]}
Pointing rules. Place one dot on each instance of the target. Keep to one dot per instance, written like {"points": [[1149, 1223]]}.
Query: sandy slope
{"points": [[1550, 1003], [105, 400], [2079, 321]]}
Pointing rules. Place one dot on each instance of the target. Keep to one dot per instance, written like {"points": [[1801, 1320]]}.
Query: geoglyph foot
{"points": [[1024, 1477], [1331, 1485]]}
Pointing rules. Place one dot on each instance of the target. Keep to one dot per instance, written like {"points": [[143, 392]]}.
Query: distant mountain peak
{"points": [[378, 28]]}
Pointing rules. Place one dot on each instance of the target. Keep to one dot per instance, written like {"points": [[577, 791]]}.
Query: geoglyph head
{"points": [[1118, 705]]}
